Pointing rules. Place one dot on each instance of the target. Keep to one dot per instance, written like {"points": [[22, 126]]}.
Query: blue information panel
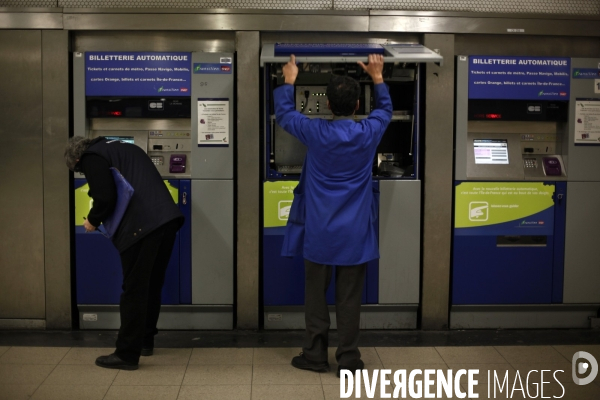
{"points": [[137, 74], [519, 78]]}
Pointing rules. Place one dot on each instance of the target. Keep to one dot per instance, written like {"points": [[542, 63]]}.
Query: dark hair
{"points": [[343, 93]]}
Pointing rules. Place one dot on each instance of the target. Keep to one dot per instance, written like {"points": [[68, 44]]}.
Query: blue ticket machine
{"points": [[150, 100], [511, 194], [391, 294]]}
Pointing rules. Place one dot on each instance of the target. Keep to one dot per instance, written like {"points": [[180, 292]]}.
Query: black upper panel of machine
{"points": [[138, 107], [518, 110]]}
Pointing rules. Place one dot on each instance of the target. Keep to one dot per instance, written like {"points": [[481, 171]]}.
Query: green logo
{"points": [[160, 89], [198, 68], [576, 73], [541, 93]]}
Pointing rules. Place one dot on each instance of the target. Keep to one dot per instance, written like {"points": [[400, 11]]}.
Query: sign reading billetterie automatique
{"points": [[519, 78], [137, 74]]}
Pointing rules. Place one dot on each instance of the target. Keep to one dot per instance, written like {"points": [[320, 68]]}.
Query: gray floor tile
{"points": [[34, 355], [287, 392], [24, 374], [569, 351], [330, 378], [17, 392], [524, 369], [219, 356], [142, 393], [88, 375], [152, 375], [84, 356], [499, 370], [408, 355], [332, 392], [167, 357], [389, 389], [3, 349], [573, 391], [530, 354], [470, 355], [482, 391], [220, 392], [70, 392], [218, 375], [270, 356], [280, 374]]}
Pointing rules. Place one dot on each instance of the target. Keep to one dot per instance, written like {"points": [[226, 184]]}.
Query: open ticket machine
{"points": [[161, 103], [391, 295], [510, 205]]}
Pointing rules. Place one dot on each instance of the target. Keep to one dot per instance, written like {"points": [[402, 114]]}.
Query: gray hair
{"points": [[76, 146]]}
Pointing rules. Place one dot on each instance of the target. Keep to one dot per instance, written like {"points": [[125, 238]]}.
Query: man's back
{"points": [[340, 201]]}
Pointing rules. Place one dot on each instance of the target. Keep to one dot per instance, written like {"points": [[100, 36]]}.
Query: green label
{"points": [[278, 198], [84, 203], [489, 203]]}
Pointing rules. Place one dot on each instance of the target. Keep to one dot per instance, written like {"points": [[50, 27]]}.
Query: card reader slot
{"points": [[521, 241]]}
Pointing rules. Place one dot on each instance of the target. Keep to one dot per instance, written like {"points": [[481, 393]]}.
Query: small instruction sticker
{"points": [[225, 60], [90, 317], [274, 317], [518, 30]]}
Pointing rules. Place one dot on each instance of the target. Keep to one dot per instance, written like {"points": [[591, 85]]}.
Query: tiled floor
{"points": [[63, 373]]}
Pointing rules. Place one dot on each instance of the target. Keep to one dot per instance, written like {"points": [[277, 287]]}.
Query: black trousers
{"points": [[349, 282], [144, 266]]}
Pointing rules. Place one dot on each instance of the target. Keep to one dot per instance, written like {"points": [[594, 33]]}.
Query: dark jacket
{"points": [[151, 205]]}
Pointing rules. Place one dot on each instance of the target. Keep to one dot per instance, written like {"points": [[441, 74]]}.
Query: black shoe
{"points": [[302, 362], [147, 352], [359, 365], [113, 361]]}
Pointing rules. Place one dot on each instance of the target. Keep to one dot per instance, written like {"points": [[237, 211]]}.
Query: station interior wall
{"points": [[35, 115]]}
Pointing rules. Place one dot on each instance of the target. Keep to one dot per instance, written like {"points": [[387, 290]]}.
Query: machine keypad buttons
{"points": [[530, 163], [157, 160]]}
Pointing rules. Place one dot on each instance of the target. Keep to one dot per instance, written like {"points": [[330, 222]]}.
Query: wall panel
{"points": [[22, 292]]}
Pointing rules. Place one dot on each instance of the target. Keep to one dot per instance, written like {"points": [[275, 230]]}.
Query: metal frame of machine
{"points": [[520, 273], [198, 290], [391, 295]]}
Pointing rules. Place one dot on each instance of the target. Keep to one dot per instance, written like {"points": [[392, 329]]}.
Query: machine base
{"points": [[180, 317], [522, 316], [398, 316]]}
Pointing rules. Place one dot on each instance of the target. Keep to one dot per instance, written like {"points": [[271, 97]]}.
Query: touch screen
{"points": [[490, 151], [126, 139]]}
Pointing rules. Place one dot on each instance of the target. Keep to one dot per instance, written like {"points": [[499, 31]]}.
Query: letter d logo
{"points": [[583, 368]]}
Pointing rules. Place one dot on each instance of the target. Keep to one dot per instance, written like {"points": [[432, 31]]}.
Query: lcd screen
{"points": [[125, 139], [490, 151]]}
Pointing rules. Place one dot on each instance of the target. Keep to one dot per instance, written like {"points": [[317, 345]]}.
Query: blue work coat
{"points": [[333, 219]]}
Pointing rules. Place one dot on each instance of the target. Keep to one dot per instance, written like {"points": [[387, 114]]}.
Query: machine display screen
{"points": [[490, 151], [126, 139]]}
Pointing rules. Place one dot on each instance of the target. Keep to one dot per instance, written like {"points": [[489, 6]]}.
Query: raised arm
{"points": [[285, 107], [381, 116]]}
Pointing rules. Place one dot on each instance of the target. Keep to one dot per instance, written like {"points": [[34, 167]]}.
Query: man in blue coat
{"points": [[333, 219]]}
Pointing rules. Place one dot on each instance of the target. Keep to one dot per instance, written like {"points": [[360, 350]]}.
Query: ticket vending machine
{"points": [[511, 194], [391, 295], [178, 107]]}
